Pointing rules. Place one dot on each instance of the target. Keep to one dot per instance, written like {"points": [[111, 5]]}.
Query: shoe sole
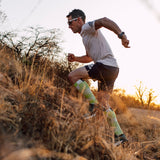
{"points": [[120, 142], [89, 117]]}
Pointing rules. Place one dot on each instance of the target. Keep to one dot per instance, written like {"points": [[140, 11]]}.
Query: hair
{"points": [[77, 13]]}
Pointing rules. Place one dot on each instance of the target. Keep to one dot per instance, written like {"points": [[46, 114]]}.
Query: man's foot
{"points": [[91, 113], [121, 139], [91, 107]]}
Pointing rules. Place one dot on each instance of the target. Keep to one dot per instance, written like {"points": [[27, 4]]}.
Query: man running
{"points": [[105, 68]]}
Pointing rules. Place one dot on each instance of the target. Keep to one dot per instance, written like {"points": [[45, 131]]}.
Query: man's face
{"points": [[74, 24]]}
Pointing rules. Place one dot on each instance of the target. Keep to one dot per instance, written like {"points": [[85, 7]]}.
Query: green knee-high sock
{"points": [[83, 88], [112, 121]]}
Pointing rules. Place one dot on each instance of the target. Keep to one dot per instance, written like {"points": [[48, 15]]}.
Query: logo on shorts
{"points": [[90, 66]]}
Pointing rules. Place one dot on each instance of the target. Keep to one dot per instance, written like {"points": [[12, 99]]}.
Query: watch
{"points": [[121, 35]]}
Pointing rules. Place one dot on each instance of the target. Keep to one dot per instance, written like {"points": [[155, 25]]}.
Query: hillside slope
{"points": [[40, 121]]}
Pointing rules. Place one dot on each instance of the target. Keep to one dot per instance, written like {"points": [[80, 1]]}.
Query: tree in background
{"points": [[32, 42], [140, 90], [150, 97], [143, 97], [39, 49]]}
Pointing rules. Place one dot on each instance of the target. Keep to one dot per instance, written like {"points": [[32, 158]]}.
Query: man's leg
{"points": [[110, 114], [106, 76], [112, 121], [82, 86]]}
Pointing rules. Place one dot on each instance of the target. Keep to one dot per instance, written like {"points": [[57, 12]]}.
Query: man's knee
{"points": [[71, 78]]}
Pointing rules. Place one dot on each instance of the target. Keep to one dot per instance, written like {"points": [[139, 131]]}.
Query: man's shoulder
{"points": [[91, 24], [88, 26]]}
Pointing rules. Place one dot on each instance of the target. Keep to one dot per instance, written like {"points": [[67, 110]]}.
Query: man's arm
{"points": [[82, 59], [109, 24]]}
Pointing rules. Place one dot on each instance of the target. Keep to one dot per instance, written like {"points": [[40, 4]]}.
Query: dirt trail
{"points": [[152, 115]]}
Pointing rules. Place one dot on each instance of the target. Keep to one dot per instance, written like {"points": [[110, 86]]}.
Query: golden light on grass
{"points": [[155, 118]]}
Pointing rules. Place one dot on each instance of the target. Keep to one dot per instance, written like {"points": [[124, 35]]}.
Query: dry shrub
{"points": [[130, 101], [64, 129], [149, 150], [118, 105], [10, 66]]}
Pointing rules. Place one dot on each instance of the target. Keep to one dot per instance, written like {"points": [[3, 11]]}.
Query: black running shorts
{"points": [[106, 75]]}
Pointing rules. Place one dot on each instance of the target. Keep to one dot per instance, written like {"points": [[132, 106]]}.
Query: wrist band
{"points": [[121, 35]]}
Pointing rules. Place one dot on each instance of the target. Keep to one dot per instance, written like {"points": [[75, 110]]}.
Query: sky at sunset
{"points": [[139, 20]]}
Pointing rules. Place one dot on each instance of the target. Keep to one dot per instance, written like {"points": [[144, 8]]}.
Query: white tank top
{"points": [[96, 45]]}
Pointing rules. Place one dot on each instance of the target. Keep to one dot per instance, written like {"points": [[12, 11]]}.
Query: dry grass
{"points": [[40, 121]]}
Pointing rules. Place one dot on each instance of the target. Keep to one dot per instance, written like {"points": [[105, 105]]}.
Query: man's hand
{"points": [[81, 59], [125, 41], [71, 57]]}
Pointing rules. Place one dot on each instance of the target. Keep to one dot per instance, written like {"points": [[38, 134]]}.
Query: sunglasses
{"points": [[71, 20]]}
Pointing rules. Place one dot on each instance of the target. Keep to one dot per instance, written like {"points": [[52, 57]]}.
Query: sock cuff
{"points": [[78, 82], [108, 110]]}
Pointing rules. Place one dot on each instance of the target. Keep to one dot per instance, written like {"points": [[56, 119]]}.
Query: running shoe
{"points": [[121, 139], [91, 113]]}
